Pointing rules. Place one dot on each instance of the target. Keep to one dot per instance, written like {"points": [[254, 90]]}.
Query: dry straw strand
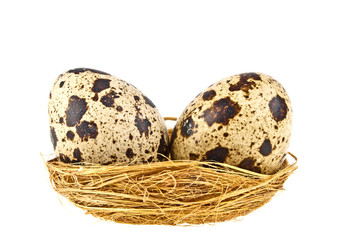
{"points": [[166, 193]]}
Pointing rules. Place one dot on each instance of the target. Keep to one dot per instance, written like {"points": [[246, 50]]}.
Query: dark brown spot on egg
{"points": [[130, 136], [108, 99], [226, 134], [110, 162], [148, 101], [209, 95], [53, 137], [100, 84], [252, 75], [70, 135], [61, 120], [129, 153], [193, 156], [243, 86], [187, 127], [278, 108], [114, 159], [250, 164], [218, 154], [245, 83], [64, 158], [136, 98], [221, 111], [62, 83], [143, 126], [77, 107], [266, 147], [162, 149], [96, 97], [81, 70], [87, 130], [77, 155], [119, 108]]}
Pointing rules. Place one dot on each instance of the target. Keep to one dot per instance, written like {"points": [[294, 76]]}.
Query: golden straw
{"points": [[170, 192]]}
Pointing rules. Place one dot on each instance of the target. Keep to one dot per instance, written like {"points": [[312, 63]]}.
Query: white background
{"points": [[171, 51]]}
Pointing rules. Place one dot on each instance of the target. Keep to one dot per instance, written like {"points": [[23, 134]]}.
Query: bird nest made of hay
{"points": [[171, 192]]}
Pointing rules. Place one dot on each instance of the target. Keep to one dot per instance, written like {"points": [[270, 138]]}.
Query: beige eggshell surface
{"points": [[98, 118], [244, 120]]}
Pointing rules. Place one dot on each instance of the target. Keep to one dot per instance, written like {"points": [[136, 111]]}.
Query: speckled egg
{"points": [[98, 118], [244, 120]]}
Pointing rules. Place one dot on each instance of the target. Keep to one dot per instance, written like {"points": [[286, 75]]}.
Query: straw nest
{"points": [[172, 192]]}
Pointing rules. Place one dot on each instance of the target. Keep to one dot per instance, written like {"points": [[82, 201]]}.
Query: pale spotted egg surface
{"points": [[98, 118], [244, 120]]}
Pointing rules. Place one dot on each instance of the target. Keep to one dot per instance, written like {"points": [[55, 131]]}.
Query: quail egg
{"points": [[98, 118], [244, 120]]}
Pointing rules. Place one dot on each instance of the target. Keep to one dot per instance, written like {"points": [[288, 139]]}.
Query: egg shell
{"points": [[244, 120], [98, 118]]}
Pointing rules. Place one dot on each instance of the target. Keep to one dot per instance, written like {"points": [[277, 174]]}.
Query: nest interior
{"points": [[166, 193]]}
